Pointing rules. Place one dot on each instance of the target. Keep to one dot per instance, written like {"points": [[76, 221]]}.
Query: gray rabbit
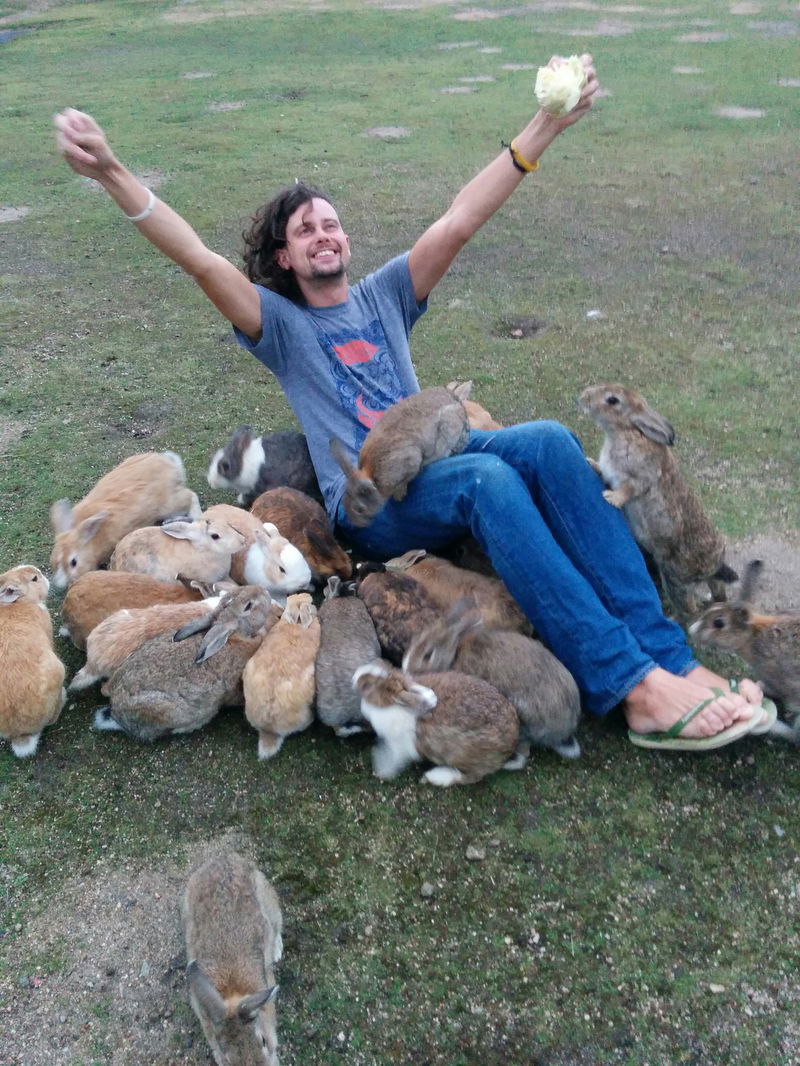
{"points": [[523, 670], [233, 925], [665, 515], [171, 684], [410, 434], [347, 641], [770, 643]]}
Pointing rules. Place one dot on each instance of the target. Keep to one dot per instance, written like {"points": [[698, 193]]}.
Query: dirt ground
{"points": [[120, 996]]}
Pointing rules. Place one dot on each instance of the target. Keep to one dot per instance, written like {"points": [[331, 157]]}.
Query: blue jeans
{"points": [[533, 503]]}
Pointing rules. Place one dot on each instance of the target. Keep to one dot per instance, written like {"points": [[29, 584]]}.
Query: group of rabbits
{"points": [[183, 611]]}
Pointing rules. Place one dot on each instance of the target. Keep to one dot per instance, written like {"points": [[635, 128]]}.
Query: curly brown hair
{"points": [[267, 235]]}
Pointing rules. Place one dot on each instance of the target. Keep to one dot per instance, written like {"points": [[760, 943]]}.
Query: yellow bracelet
{"points": [[520, 162]]}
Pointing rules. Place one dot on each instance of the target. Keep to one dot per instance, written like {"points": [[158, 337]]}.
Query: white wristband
{"points": [[151, 203]]}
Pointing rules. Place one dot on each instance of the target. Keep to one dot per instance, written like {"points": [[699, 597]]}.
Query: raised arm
{"points": [[84, 146], [475, 204]]}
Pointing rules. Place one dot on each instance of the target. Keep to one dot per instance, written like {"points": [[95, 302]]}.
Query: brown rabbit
{"points": [[398, 605], [412, 433], [770, 643], [233, 925], [460, 723], [478, 416], [303, 522], [665, 515]]}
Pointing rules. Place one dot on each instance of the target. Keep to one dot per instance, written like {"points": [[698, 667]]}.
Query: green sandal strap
{"points": [[677, 728]]}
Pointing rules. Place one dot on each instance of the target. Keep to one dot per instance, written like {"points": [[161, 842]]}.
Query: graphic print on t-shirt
{"points": [[364, 374]]}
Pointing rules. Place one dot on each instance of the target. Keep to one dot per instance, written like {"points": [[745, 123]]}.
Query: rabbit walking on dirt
{"points": [[665, 515], [233, 925], [770, 643], [412, 433], [171, 684]]}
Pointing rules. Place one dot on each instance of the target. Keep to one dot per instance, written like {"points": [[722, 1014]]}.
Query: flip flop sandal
{"points": [[671, 739], [767, 719]]}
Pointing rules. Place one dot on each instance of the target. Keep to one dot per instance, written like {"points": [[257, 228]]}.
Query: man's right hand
{"points": [[83, 144]]}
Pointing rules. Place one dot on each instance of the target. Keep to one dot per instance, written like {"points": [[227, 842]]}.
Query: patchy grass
{"points": [[629, 909]]}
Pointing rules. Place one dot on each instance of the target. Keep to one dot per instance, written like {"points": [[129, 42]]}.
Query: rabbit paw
{"points": [[615, 497], [443, 776]]}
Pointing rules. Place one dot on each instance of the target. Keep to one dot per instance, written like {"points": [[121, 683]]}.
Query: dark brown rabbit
{"points": [[303, 522], [398, 605], [447, 583], [665, 515], [770, 643], [412, 433]]}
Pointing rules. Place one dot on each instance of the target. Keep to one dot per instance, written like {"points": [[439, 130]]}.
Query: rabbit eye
{"points": [[73, 561], [223, 467], [718, 623], [214, 536], [612, 400], [248, 605], [282, 569], [34, 577]]}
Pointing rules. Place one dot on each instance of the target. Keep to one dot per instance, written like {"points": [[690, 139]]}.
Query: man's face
{"points": [[316, 247]]}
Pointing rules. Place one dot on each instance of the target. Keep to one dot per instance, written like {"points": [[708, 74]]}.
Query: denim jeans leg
{"points": [[592, 533], [483, 494]]}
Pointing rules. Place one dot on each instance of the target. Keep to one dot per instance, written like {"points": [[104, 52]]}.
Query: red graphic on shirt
{"points": [[357, 351], [367, 417]]}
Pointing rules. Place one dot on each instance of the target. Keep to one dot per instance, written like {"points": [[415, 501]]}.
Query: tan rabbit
{"points": [[278, 680], [267, 557], [770, 643], [233, 926], [200, 550], [410, 434], [140, 491], [665, 515], [460, 723], [31, 674]]}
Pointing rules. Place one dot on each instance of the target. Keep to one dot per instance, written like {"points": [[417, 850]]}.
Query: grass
{"points": [[615, 894]]}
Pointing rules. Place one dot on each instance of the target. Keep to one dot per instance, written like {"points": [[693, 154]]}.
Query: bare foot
{"points": [[661, 698]]}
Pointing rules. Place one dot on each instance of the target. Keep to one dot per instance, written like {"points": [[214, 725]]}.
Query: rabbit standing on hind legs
{"points": [[665, 515]]}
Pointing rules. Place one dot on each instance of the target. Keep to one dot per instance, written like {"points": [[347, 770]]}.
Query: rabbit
{"points": [[278, 680], [770, 643], [303, 521], [541, 689], [171, 684], [200, 550], [460, 723], [113, 639], [142, 490], [665, 515], [254, 464], [266, 558], [398, 606], [447, 583], [347, 641], [412, 433], [99, 593], [32, 693], [234, 936], [477, 416]]}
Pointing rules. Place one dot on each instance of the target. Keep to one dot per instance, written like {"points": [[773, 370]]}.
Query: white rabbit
{"points": [[142, 490], [266, 558], [233, 926]]}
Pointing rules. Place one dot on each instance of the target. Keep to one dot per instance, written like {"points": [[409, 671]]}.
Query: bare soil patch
{"points": [[13, 214], [191, 74], [227, 105], [387, 133], [739, 112]]}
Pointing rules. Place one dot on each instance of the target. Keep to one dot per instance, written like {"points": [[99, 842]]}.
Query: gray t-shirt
{"points": [[342, 366]]}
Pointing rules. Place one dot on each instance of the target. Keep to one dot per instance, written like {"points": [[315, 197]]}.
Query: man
{"points": [[526, 493]]}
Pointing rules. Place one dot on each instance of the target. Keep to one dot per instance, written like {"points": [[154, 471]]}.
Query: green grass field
{"points": [[630, 908]]}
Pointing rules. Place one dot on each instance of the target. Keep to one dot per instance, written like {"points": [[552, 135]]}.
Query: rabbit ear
{"points": [[464, 616], [197, 625], [403, 562], [216, 638], [340, 455], [460, 389], [10, 592], [180, 530], [653, 425], [61, 516], [306, 615], [418, 699], [206, 994], [250, 1006], [750, 579], [89, 526], [332, 588]]}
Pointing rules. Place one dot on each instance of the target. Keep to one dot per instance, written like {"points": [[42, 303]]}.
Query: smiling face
{"points": [[317, 249]]}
